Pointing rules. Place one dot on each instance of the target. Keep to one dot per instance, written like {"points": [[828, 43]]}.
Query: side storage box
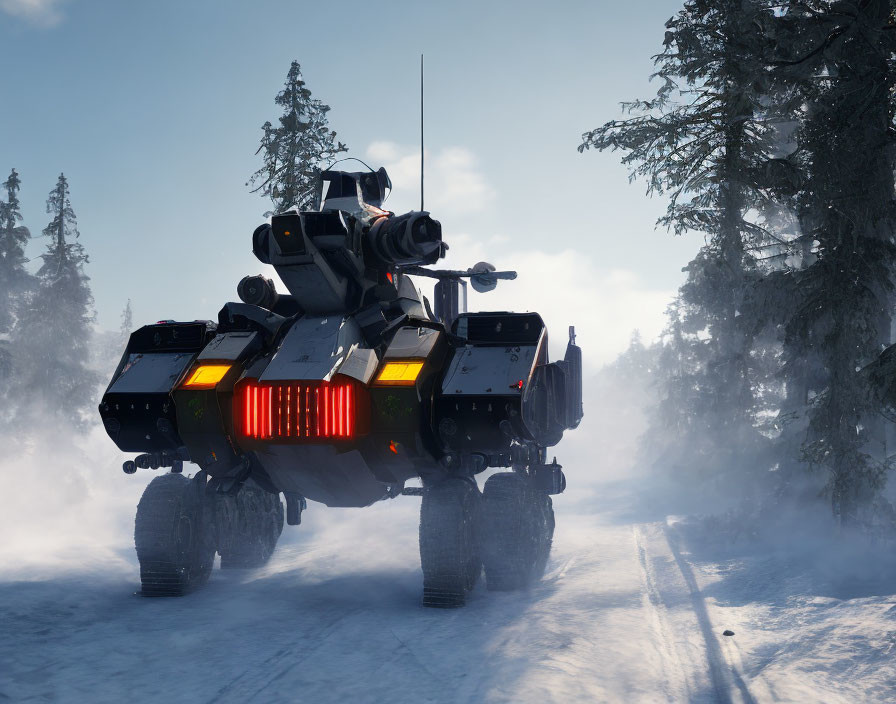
{"points": [[137, 409], [494, 355]]}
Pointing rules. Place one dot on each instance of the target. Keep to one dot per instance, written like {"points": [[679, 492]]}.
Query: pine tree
{"points": [[14, 279], [295, 150], [13, 236], [701, 143], [127, 325], [53, 334], [681, 357], [839, 55]]}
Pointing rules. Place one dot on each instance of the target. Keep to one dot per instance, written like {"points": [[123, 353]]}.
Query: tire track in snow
{"points": [[673, 668], [556, 574], [259, 676], [722, 672]]}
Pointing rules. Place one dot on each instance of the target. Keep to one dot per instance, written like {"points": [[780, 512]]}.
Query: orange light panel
{"points": [[206, 376], [400, 373]]}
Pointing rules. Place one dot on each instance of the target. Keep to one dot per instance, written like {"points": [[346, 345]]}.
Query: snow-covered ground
{"points": [[632, 609]]}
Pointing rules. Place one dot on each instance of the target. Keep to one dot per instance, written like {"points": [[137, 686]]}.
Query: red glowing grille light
{"points": [[291, 410]]}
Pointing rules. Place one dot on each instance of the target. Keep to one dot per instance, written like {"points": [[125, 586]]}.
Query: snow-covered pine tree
{"points": [[53, 333], [127, 325], [15, 281], [840, 56], [295, 151], [699, 142]]}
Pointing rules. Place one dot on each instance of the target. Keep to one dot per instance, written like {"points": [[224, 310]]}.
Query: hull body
{"points": [[308, 408]]}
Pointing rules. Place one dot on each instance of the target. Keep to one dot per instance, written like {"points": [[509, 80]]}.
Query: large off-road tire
{"points": [[174, 536], [517, 531], [249, 525], [449, 541]]}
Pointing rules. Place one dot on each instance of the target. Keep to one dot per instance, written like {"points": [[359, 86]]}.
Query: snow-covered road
{"points": [[632, 608], [336, 617]]}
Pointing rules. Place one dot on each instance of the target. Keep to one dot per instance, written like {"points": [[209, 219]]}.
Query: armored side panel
{"points": [[204, 414], [137, 409], [552, 402], [493, 358], [572, 364], [400, 444], [544, 404]]}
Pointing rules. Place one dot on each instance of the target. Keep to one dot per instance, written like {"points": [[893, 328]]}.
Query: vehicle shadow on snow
{"points": [[368, 636], [337, 612], [383, 590], [260, 634]]}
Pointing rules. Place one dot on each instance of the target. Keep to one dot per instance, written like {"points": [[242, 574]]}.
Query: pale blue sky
{"points": [[153, 111]]}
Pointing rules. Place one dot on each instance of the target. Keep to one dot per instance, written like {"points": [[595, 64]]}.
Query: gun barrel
{"points": [[409, 239]]}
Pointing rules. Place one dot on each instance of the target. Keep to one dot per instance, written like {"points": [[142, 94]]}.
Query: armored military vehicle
{"points": [[341, 391]]}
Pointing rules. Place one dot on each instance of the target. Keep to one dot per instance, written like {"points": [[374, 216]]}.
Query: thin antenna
{"points": [[421, 132]]}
